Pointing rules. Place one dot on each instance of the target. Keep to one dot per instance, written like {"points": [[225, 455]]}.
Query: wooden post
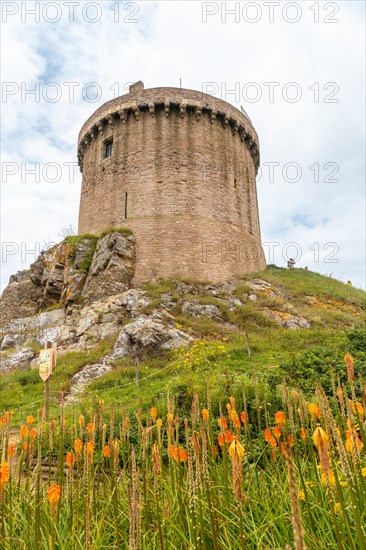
{"points": [[46, 366], [47, 345], [47, 399]]}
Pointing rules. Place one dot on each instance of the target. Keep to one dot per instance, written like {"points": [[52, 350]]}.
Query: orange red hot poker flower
{"points": [[178, 453], [70, 459], [222, 422], [348, 359], [106, 451], [90, 428], [277, 432], [78, 446], [269, 438], [267, 435], [280, 418], [243, 418], [4, 473], [53, 495]]}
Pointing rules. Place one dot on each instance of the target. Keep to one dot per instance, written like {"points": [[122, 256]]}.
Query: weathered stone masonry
{"points": [[181, 176]]}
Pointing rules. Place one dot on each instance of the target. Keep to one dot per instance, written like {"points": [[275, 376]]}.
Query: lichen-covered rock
{"points": [[112, 266], [148, 333], [134, 300], [48, 325], [259, 286], [82, 378], [9, 341], [54, 277], [285, 319], [64, 274], [77, 268], [201, 310], [297, 322], [20, 298], [52, 318], [18, 360]]}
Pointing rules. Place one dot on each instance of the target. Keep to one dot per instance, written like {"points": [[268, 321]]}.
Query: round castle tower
{"points": [[178, 168]]}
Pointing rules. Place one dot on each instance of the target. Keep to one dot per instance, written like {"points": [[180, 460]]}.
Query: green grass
{"points": [[240, 290], [231, 487], [300, 282], [21, 388], [92, 241], [123, 230], [54, 307], [276, 354], [162, 286]]}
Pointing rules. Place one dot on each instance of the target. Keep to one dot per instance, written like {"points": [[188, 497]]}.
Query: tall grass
{"points": [[245, 479]]}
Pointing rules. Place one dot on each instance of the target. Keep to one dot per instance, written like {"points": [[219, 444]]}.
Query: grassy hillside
{"points": [[228, 443], [246, 350]]}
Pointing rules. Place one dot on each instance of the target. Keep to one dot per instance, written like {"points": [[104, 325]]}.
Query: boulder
{"points": [[112, 266], [285, 319], [20, 298], [133, 300], [18, 360], [81, 379], [148, 333], [201, 310]]}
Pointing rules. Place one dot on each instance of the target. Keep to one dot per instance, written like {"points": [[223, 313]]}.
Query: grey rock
{"points": [[202, 310], [86, 322], [134, 300], [9, 341], [297, 322], [18, 360], [51, 318], [19, 299], [148, 333], [287, 320], [112, 266], [82, 379], [60, 334]]}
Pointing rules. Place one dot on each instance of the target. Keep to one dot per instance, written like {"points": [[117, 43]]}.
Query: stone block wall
{"points": [[181, 176]]}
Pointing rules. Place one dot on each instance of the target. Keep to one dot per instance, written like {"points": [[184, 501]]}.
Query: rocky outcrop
{"points": [[287, 320], [77, 269], [148, 333], [112, 267], [20, 359], [87, 282], [20, 297], [81, 379], [196, 309]]}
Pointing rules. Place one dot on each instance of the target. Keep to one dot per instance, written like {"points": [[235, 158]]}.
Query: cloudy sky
{"points": [[297, 68]]}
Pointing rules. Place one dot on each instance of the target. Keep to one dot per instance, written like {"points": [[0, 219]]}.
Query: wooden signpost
{"points": [[47, 363]]}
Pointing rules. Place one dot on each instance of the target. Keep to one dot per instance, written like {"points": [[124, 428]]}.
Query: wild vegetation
{"points": [[253, 436], [247, 478], [245, 349]]}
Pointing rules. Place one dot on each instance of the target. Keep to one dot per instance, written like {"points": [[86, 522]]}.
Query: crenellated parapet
{"points": [[155, 102]]}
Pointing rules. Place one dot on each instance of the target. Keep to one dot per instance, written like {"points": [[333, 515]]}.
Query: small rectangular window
{"points": [[108, 148]]}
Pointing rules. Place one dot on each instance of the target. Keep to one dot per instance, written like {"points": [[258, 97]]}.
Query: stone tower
{"points": [[178, 168]]}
